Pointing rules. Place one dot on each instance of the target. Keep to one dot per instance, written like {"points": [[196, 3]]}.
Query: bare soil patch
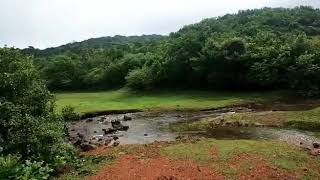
{"points": [[161, 168]]}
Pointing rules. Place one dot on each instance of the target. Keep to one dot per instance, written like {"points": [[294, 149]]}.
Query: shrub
{"points": [[32, 136], [11, 167], [140, 78], [69, 114]]}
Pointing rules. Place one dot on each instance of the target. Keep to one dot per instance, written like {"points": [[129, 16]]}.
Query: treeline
{"points": [[269, 48]]}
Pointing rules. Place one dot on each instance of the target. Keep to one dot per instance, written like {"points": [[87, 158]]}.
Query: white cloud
{"points": [[44, 23]]}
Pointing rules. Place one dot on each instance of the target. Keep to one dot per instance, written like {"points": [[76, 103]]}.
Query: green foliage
{"points": [[87, 166], [269, 48], [12, 168], [28, 127], [69, 114]]}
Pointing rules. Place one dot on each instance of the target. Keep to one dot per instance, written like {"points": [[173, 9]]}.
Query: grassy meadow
{"points": [[159, 100]]}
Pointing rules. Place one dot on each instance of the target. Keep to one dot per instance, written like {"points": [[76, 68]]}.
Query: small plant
{"points": [[11, 167], [69, 114]]}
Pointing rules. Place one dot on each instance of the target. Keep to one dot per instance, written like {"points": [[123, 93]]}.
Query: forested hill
{"points": [[269, 48], [95, 43]]}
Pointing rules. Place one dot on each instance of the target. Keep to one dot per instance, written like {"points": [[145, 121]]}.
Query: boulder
{"points": [[87, 147], [116, 143], [107, 141], [127, 118], [118, 126], [81, 136], [109, 131], [89, 120]]}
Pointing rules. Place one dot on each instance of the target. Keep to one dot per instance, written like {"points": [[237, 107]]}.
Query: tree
{"points": [[28, 126]]}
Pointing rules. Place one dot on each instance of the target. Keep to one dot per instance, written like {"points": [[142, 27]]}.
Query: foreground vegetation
{"points": [[157, 100], [32, 137]]}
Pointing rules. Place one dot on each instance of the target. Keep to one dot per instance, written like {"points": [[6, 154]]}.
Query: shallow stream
{"points": [[149, 127]]}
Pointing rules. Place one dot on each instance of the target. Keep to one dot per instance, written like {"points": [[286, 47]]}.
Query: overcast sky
{"points": [[47, 23]]}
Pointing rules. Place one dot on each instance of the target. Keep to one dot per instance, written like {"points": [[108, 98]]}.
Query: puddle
{"points": [[261, 133]]}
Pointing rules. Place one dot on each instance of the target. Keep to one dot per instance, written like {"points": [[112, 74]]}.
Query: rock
{"points": [[127, 118], [115, 137], [72, 130], [87, 147], [101, 119], [89, 120], [258, 125], [107, 141], [146, 134], [315, 152], [81, 136], [118, 126], [316, 145], [109, 130], [124, 128], [116, 143], [77, 143]]}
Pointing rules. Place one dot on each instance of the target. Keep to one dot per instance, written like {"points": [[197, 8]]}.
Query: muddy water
{"points": [[295, 137], [149, 127], [143, 128]]}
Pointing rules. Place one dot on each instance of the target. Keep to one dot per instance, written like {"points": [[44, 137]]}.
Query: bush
{"points": [[12, 168], [32, 136], [69, 114], [140, 79]]}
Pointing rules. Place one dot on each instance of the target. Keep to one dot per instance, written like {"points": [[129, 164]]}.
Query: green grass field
{"points": [[160, 100], [281, 155]]}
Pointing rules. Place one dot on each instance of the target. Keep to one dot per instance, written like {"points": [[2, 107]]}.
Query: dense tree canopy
{"points": [[269, 48]]}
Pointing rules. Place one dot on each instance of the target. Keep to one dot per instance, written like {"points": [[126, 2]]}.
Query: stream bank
{"points": [[148, 127]]}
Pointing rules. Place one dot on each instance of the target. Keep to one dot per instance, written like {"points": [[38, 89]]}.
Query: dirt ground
{"points": [[146, 163]]}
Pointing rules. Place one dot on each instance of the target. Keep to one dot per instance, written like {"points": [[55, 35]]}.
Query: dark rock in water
{"points": [[118, 126], [146, 134], [115, 137], [89, 120], [115, 123], [77, 143], [81, 136], [87, 147], [102, 119], [107, 141], [127, 118], [316, 145], [109, 130], [124, 128], [116, 143]]}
